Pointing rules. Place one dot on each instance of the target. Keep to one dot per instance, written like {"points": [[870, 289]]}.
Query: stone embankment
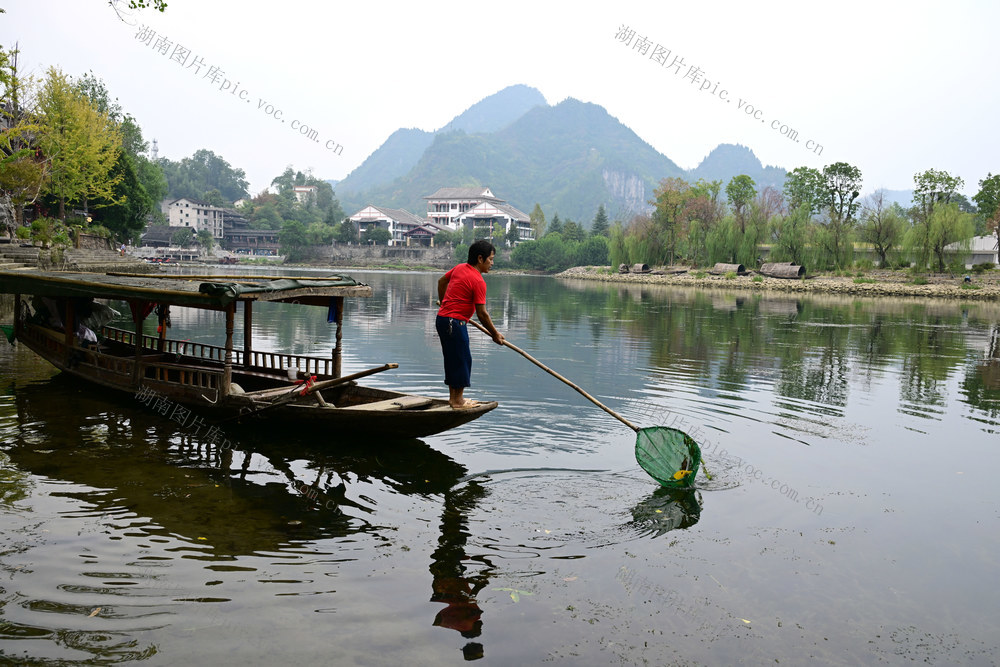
{"points": [[16, 256], [872, 283]]}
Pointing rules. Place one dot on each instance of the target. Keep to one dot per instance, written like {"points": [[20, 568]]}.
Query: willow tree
{"points": [[843, 187], [882, 225], [80, 143], [670, 218]]}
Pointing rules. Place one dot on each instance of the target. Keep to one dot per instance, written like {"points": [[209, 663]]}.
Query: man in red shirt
{"points": [[462, 291]]}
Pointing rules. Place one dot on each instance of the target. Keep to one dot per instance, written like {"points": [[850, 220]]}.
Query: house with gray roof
{"points": [[397, 221]]}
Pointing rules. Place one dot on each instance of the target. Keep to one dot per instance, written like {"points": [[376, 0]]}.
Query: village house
{"points": [[194, 214], [305, 193], [397, 221], [451, 209], [445, 205], [478, 208]]}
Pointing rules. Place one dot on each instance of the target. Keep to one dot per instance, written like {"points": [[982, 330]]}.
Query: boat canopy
{"points": [[210, 292]]}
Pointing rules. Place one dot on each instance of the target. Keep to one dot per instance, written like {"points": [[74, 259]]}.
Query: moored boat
{"points": [[223, 383]]}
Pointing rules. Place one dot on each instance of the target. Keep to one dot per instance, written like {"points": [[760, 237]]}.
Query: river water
{"points": [[852, 518]]}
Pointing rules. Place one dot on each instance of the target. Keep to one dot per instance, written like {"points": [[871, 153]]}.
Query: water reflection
{"points": [[666, 510], [456, 577]]}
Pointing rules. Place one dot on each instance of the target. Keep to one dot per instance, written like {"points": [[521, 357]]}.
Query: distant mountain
{"points": [[394, 158], [497, 111], [728, 160], [569, 158], [403, 149], [902, 197]]}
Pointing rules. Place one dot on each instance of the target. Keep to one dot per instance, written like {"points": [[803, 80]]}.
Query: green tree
{"points": [[600, 224], [193, 176], [320, 233], [933, 187], [555, 226], [790, 235], [266, 217], [205, 239], [497, 234], [572, 231], [740, 191], [130, 205], [376, 236], [214, 198], [182, 237], [537, 218], [668, 223], [948, 225], [292, 238], [988, 201], [805, 186], [882, 225], [592, 252], [81, 144], [835, 238], [617, 251], [513, 236], [347, 231], [23, 174]]}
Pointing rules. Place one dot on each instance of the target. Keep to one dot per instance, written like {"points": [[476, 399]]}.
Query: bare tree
{"points": [[881, 224]]}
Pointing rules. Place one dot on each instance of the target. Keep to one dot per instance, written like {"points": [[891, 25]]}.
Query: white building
{"points": [[398, 221], [484, 216], [197, 215], [981, 249], [305, 193], [445, 205]]}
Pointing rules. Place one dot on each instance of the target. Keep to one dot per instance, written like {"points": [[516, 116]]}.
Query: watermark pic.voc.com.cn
{"points": [[215, 76], [674, 63]]}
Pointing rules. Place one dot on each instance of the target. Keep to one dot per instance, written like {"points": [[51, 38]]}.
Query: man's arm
{"points": [[442, 287], [484, 317]]}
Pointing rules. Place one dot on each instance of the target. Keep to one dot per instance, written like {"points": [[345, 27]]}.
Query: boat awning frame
{"points": [[209, 292]]}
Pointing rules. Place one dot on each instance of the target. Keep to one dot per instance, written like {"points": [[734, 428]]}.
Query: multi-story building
{"points": [[484, 217], [195, 214], [305, 193], [478, 208], [445, 205], [398, 221]]}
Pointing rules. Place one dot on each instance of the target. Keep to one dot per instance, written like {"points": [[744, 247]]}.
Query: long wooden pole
{"points": [[561, 378]]}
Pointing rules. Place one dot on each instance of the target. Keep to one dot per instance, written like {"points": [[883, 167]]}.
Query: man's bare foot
{"points": [[465, 405]]}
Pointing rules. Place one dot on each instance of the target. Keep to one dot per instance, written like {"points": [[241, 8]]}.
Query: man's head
{"points": [[480, 251]]}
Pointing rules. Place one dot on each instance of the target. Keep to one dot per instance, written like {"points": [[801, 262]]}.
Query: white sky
{"points": [[891, 87]]}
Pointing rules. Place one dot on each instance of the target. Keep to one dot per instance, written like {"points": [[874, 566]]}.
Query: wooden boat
{"points": [[197, 382]]}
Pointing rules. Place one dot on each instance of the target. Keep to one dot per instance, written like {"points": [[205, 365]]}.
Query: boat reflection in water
{"points": [[259, 492], [133, 467]]}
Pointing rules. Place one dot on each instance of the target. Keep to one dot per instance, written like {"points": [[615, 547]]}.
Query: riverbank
{"points": [[870, 283]]}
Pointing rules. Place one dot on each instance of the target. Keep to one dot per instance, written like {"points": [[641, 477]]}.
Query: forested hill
{"points": [[403, 149], [570, 158]]}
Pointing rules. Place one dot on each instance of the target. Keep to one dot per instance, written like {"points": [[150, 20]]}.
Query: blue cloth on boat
{"points": [[454, 336]]}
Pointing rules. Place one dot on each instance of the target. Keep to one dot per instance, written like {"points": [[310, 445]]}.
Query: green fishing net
{"points": [[671, 457]]}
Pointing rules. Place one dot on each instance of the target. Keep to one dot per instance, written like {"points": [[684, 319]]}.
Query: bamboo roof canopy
{"points": [[210, 292]]}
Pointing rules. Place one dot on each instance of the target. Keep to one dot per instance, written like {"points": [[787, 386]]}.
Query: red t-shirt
{"points": [[466, 289]]}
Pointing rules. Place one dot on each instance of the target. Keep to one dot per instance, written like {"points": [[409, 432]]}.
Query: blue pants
{"points": [[454, 336]]}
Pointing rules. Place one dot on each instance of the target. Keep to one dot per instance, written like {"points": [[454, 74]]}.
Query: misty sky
{"points": [[893, 88]]}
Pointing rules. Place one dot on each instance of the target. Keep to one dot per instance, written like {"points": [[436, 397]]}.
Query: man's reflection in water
{"points": [[457, 577]]}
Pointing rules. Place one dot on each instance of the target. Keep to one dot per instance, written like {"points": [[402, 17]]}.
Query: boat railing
{"points": [[272, 361]]}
